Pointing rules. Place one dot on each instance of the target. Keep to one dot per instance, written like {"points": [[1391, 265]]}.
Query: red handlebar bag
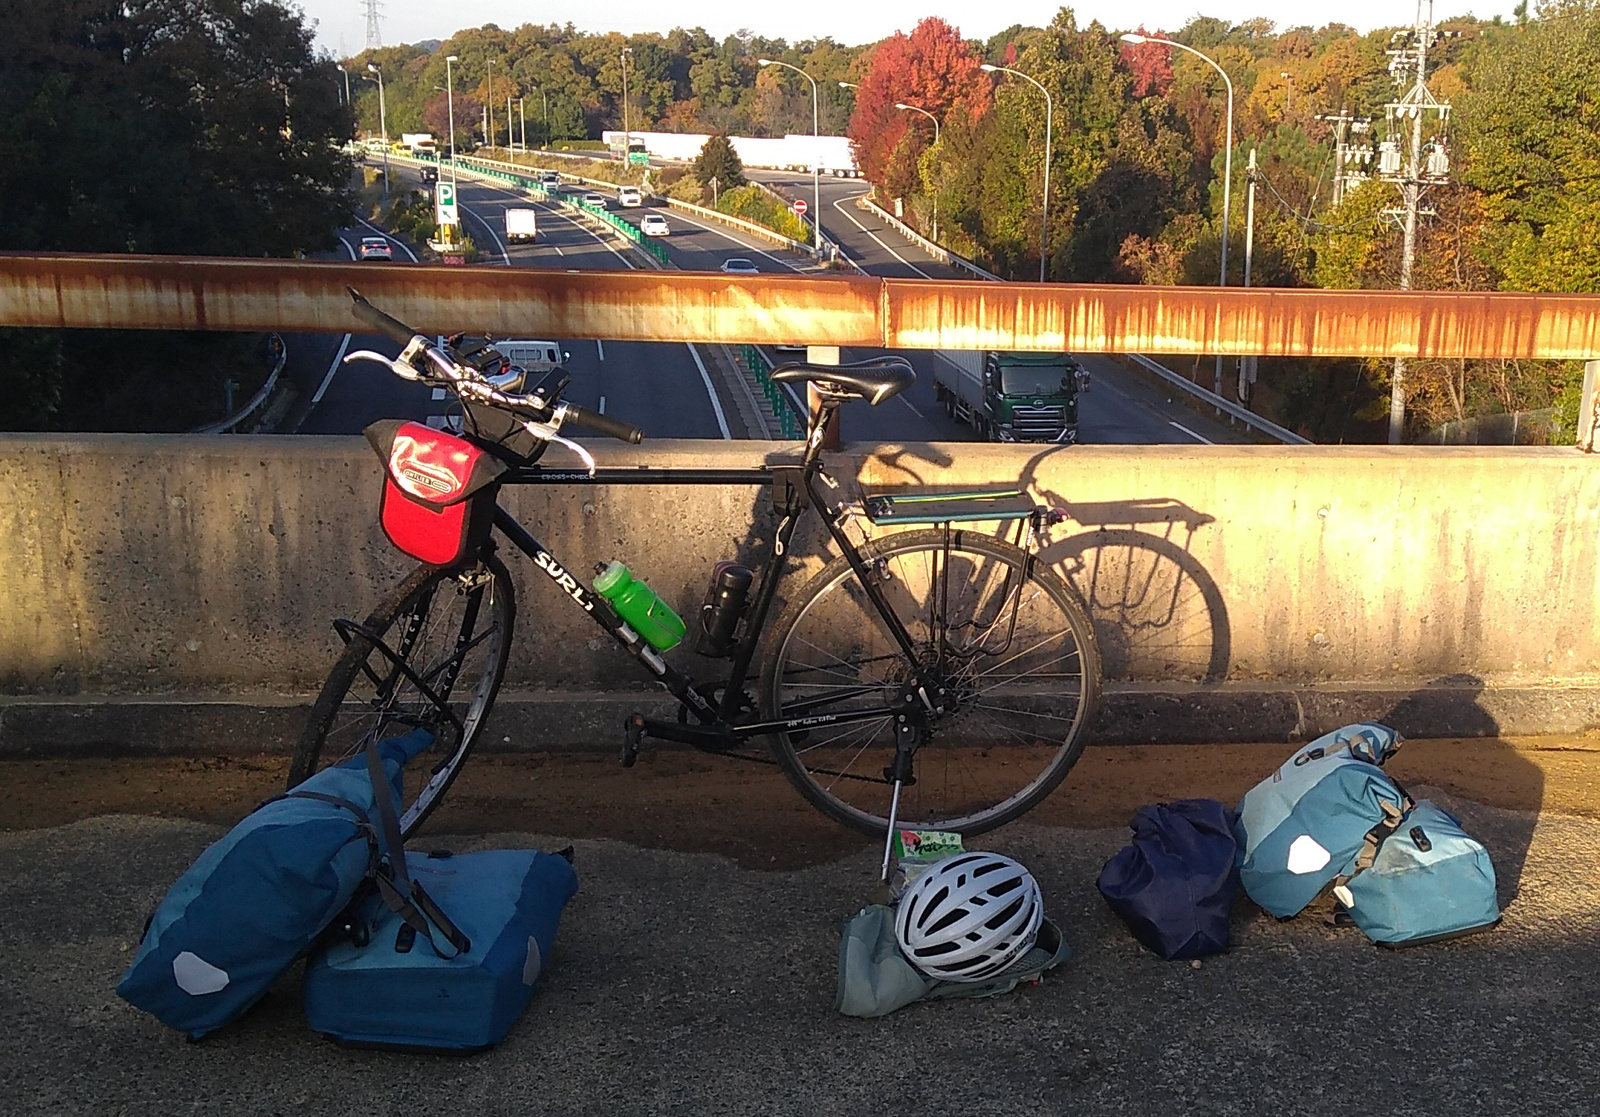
{"points": [[438, 491]]}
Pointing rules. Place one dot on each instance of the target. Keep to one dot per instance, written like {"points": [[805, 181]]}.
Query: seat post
{"points": [[823, 355]]}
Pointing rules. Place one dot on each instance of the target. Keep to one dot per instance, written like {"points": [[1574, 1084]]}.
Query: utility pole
{"points": [[1247, 363], [627, 138], [1419, 168], [488, 102], [1347, 151]]}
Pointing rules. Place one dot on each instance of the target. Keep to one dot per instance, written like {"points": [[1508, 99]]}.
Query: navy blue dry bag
{"points": [[1175, 884]]}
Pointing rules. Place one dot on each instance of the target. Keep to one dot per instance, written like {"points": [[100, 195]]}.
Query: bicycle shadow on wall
{"points": [[1158, 614]]}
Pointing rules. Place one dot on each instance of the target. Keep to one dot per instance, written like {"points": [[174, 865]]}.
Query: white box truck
{"points": [[1011, 397], [522, 224]]}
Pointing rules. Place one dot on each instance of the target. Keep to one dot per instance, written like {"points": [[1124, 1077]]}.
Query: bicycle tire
{"points": [[830, 636], [394, 705]]}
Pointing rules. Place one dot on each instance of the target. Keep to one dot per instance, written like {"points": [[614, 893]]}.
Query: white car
{"points": [[593, 199], [375, 248], [738, 265], [654, 225], [550, 180], [629, 196]]}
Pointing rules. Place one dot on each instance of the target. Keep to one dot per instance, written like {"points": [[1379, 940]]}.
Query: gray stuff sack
{"points": [[875, 979]]}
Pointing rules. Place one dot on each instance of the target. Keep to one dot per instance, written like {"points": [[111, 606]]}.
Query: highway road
{"points": [[669, 389]]}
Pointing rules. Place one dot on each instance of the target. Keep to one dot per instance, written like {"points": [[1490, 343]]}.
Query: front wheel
{"points": [[451, 628], [1005, 637]]}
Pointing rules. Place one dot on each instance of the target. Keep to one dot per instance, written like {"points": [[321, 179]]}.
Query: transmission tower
{"points": [[374, 32], [1415, 162]]}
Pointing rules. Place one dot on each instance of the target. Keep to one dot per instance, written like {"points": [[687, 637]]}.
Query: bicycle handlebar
{"points": [[603, 424], [391, 328], [469, 383]]}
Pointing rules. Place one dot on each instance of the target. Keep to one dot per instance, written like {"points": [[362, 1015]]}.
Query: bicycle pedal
{"points": [[632, 736]]}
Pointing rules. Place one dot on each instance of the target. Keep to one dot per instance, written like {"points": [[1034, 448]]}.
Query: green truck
{"points": [[1011, 397]]}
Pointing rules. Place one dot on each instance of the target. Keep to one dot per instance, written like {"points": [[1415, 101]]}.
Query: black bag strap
{"points": [[404, 896], [1394, 816]]}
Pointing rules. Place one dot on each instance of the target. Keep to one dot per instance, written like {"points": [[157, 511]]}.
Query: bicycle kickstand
{"points": [[907, 736]]}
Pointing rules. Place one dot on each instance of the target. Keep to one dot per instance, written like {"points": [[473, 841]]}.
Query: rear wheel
{"points": [[1007, 640], [451, 629]]}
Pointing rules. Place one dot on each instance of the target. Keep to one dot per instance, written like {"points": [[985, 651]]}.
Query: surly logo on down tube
{"points": [[558, 574]]}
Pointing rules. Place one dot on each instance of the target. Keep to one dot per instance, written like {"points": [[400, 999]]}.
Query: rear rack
{"points": [[942, 508]]}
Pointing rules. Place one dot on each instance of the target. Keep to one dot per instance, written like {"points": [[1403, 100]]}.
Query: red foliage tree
{"points": [[934, 69], [1150, 64]]}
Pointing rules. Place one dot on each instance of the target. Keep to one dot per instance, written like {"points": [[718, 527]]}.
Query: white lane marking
{"points": [[343, 345], [504, 255], [838, 205], [439, 394], [332, 369], [389, 237], [602, 405], [716, 405], [631, 266], [601, 347], [911, 405], [1190, 433], [736, 240]]}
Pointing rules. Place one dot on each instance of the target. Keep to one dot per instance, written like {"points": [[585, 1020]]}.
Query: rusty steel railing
{"points": [[170, 292]]}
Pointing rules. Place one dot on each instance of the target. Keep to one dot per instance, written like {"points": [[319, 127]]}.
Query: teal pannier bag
{"points": [[1319, 817], [388, 986], [257, 898], [1429, 880]]}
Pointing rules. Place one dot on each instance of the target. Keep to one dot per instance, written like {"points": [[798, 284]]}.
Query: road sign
{"points": [[800, 206], [445, 204]]}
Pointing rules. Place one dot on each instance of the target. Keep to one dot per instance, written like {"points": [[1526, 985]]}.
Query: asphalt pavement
{"points": [[682, 983]]}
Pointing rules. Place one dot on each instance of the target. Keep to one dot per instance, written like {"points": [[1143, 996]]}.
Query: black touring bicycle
{"points": [[934, 675]]}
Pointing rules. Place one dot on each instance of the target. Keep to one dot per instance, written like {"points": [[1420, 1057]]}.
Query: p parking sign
{"points": [[445, 204]]}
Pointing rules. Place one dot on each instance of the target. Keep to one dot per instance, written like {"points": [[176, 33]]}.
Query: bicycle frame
{"points": [[718, 729]]}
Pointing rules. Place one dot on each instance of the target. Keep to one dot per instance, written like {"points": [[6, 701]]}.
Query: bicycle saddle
{"points": [[874, 380]]}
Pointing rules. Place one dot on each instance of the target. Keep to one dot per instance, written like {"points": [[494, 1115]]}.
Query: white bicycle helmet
{"points": [[969, 917]]}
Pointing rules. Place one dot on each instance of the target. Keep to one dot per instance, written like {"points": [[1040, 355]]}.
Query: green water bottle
{"points": [[638, 604]]}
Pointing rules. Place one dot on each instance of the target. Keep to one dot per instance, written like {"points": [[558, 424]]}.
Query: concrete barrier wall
{"points": [[1238, 592]]}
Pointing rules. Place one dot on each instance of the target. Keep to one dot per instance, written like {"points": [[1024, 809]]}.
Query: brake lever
{"points": [[547, 432], [399, 368]]}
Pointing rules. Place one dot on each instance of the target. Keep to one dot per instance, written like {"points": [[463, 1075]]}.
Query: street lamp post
{"points": [[1227, 159], [511, 134], [522, 115], [627, 138], [346, 74], [816, 144], [1049, 109], [545, 97], [930, 116], [488, 104], [450, 107], [383, 125]]}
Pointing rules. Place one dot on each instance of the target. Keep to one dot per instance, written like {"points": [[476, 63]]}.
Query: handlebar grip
{"points": [[391, 328], [603, 424]]}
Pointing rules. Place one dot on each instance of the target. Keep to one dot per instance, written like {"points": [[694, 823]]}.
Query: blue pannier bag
{"points": [[387, 987], [1429, 880], [1175, 884], [257, 898], [1310, 822]]}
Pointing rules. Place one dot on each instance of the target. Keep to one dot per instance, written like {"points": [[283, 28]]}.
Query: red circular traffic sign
{"points": [[800, 206]]}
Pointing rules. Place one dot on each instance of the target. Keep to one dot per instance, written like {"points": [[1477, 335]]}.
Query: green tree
{"points": [[718, 160], [184, 126]]}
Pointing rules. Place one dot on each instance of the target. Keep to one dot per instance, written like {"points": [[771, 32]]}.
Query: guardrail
{"points": [[1248, 418], [739, 223], [791, 423], [932, 248], [125, 291], [256, 400]]}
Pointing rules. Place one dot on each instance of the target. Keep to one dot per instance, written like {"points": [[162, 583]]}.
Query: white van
{"points": [[537, 357], [629, 196]]}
